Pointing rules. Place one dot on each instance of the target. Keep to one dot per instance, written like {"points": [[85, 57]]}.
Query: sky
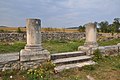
{"points": [[58, 13]]}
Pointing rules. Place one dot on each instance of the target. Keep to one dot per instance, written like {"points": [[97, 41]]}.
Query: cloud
{"points": [[57, 13]]}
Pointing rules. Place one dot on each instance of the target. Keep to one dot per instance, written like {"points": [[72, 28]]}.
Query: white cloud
{"points": [[58, 12]]}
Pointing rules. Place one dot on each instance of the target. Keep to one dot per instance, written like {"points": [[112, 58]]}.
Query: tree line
{"points": [[105, 27]]}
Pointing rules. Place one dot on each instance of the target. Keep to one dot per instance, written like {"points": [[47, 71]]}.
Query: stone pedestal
{"points": [[33, 50], [91, 40], [91, 35]]}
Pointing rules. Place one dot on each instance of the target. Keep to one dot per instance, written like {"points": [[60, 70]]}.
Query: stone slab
{"points": [[75, 65], [67, 53], [78, 58], [9, 57], [29, 55], [103, 49]]}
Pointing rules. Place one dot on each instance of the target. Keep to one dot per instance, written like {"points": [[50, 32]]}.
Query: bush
{"points": [[2, 31], [43, 73], [97, 55], [19, 30]]}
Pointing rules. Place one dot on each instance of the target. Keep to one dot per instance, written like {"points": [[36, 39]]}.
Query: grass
{"points": [[13, 47], [62, 46], [107, 69], [53, 46], [111, 42]]}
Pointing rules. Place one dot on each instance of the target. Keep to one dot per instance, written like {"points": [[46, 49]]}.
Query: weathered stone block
{"points": [[33, 50], [29, 55], [91, 39]]}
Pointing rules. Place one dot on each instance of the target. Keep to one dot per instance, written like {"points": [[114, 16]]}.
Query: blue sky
{"points": [[58, 13]]}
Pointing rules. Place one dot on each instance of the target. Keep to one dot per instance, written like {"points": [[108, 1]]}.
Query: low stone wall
{"points": [[12, 60], [115, 35], [10, 37], [111, 50], [107, 36], [62, 36], [9, 61]]}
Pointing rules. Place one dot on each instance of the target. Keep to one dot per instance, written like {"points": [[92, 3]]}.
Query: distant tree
{"points": [[19, 30], [116, 25], [81, 28], [2, 31], [111, 28], [98, 29], [104, 25]]}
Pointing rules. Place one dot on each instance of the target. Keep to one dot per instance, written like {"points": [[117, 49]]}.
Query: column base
{"points": [[36, 47], [85, 49], [33, 58], [32, 55], [89, 47], [91, 44]]}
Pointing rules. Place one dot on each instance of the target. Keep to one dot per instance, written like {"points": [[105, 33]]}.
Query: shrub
{"points": [[43, 73], [2, 31], [19, 30], [97, 55]]}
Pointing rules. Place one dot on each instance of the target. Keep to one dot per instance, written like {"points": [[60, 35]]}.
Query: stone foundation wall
{"points": [[10, 37], [12, 60], [62, 36]]}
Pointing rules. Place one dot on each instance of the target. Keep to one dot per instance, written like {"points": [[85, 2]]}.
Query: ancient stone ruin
{"points": [[91, 38], [33, 50], [91, 44], [91, 35], [79, 58], [34, 54], [46, 36]]}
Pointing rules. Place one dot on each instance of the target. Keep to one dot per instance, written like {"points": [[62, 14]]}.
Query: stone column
{"points": [[33, 50], [91, 35], [91, 39], [33, 28]]}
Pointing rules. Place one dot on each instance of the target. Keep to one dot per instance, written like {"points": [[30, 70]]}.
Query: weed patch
{"points": [[97, 55]]}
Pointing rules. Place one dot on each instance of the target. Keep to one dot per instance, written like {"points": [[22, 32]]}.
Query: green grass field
{"points": [[111, 42], [53, 46], [62, 46], [13, 47], [108, 68]]}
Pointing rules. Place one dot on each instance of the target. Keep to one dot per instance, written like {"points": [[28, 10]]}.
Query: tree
{"points": [[104, 25], [19, 30], [81, 28], [116, 24]]}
